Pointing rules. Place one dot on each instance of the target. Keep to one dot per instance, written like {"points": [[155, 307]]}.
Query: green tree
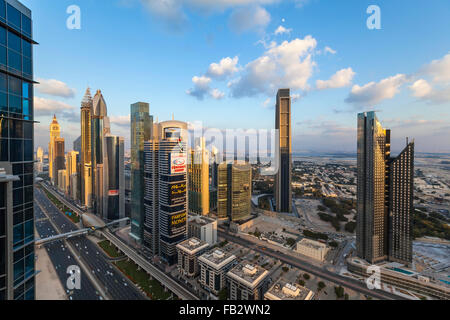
{"points": [[223, 294], [339, 292], [306, 276], [321, 285]]}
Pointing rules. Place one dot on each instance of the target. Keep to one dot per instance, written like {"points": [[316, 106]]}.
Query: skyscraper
{"points": [[198, 179], [100, 127], [55, 132], [115, 186], [86, 159], [72, 166], [283, 187], [384, 195], [17, 258], [40, 155], [59, 159], [165, 197], [234, 190], [141, 130], [401, 205]]}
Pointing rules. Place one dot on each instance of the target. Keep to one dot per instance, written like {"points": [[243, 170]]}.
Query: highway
{"points": [[160, 276], [112, 280], [62, 258], [170, 283], [322, 273]]}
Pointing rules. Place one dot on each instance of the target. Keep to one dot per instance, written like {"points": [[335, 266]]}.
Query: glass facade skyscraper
{"points": [[283, 187], [17, 258], [141, 130], [384, 195]]}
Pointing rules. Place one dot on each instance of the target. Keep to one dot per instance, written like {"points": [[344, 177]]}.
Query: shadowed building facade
{"points": [[17, 256], [282, 183], [384, 195], [141, 131]]}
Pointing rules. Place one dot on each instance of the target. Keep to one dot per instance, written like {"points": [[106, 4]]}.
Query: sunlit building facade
{"points": [[198, 179], [384, 195], [283, 187], [85, 154]]}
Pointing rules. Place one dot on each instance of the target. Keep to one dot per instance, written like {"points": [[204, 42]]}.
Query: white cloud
{"points": [[439, 69], [421, 89], [340, 79], [226, 67], [249, 19], [296, 97], [121, 121], [169, 12], [43, 106], [288, 65], [282, 30], [202, 88], [54, 88], [373, 93], [329, 50], [217, 94]]}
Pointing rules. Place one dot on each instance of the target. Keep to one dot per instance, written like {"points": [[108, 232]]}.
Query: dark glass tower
{"points": [[401, 205], [17, 258], [384, 195], [283, 187], [141, 131]]}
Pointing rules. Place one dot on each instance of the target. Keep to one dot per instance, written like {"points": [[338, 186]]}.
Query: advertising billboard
{"points": [[178, 163], [177, 193], [177, 223]]}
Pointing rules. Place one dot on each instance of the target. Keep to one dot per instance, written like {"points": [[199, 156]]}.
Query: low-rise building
{"points": [[247, 281], [61, 180], [401, 278], [188, 253], [203, 228], [213, 268], [312, 249], [284, 290]]}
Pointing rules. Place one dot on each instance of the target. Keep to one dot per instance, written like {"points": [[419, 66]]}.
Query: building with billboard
{"points": [[165, 195]]}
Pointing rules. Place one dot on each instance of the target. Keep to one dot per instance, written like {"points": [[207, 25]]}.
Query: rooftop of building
{"points": [[200, 220], [192, 245], [217, 258], [248, 274], [284, 290], [312, 244]]}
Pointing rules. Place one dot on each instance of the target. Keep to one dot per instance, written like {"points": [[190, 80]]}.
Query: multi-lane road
{"points": [[319, 272], [61, 258], [112, 281]]}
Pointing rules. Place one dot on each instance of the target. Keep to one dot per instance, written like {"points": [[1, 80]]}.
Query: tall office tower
{"points": [[283, 186], [371, 231], [141, 130], [86, 159], [72, 166], [17, 258], [40, 155], [384, 195], [115, 185], [165, 198], [100, 127], [198, 179], [401, 206], [77, 144], [55, 131], [59, 158], [234, 191], [214, 179]]}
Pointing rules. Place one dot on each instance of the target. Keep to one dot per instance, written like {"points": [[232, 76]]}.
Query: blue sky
{"points": [[151, 50]]}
